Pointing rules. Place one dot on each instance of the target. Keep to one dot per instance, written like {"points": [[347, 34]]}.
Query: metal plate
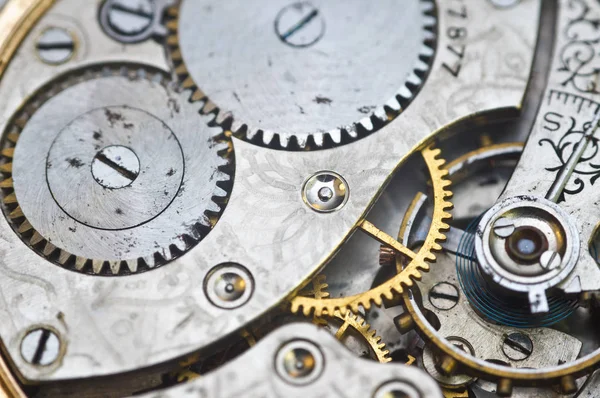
{"points": [[116, 325]]}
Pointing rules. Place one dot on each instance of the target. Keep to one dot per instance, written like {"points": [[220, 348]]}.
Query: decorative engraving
{"points": [[578, 58], [567, 145]]}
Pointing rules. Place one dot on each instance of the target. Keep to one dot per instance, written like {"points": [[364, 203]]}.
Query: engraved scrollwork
{"points": [[566, 146], [578, 58]]}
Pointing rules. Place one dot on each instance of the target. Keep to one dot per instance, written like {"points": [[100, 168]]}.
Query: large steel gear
{"points": [[141, 199], [132, 265], [419, 261], [302, 76]]}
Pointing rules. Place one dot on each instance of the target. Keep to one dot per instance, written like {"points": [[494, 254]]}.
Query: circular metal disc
{"points": [[73, 180], [305, 68], [118, 169]]}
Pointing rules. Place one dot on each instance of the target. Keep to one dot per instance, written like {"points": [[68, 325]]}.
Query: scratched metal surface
{"points": [[112, 325], [367, 380]]}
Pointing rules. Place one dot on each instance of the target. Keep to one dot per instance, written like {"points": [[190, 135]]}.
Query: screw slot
{"points": [[503, 228], [300, 25], [115, 167], [517, 346], [444, 296], [55, 46], [41, 347], [133, 21]]}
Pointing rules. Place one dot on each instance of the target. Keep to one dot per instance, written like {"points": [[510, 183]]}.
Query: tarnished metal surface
{"points": [[127, 215], [330, 66], [569, 111], [149, 318], [368, 378]]}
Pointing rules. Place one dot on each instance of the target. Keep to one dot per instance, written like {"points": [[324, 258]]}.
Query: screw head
{"points": [[550, 260], [325, 192], [503, 227], [517, 346], [115, 167], [229, 285], [444, 296], [41, 347], [299, 362], [129, 21], [300, 24], [55, 46]]}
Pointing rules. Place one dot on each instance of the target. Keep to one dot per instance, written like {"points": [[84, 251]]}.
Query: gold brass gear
{"points": [[456, 361], [318, 291], [419, 261], [455, 394]]}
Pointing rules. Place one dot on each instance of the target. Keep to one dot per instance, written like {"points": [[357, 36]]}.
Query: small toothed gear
{"points": [[303, 75], [418, 261], [111, 170], [318, 291]]}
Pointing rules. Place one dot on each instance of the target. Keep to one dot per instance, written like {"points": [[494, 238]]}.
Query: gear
{"points": [[278, 82], [435, 307], [419, 261], [355, 321], [111, 171], [455, 394]]}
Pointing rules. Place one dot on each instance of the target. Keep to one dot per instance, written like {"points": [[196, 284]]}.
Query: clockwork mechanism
{"points": [[281, 198]]}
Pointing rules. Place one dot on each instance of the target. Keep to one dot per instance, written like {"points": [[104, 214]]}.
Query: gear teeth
{"points": [[49, 248], [180, 244], [223, 176], [115, 267], [317, 140], [412, 272], [8, 183], [16, 213], [64, 257], [210, 107], [35, 238], [173, 12], [97, 266], [25, 227], [318, 291], [20, 122], [80, 263], [132, 265], [150, 261], [6, 168], [8, 152], [427, 7]]}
